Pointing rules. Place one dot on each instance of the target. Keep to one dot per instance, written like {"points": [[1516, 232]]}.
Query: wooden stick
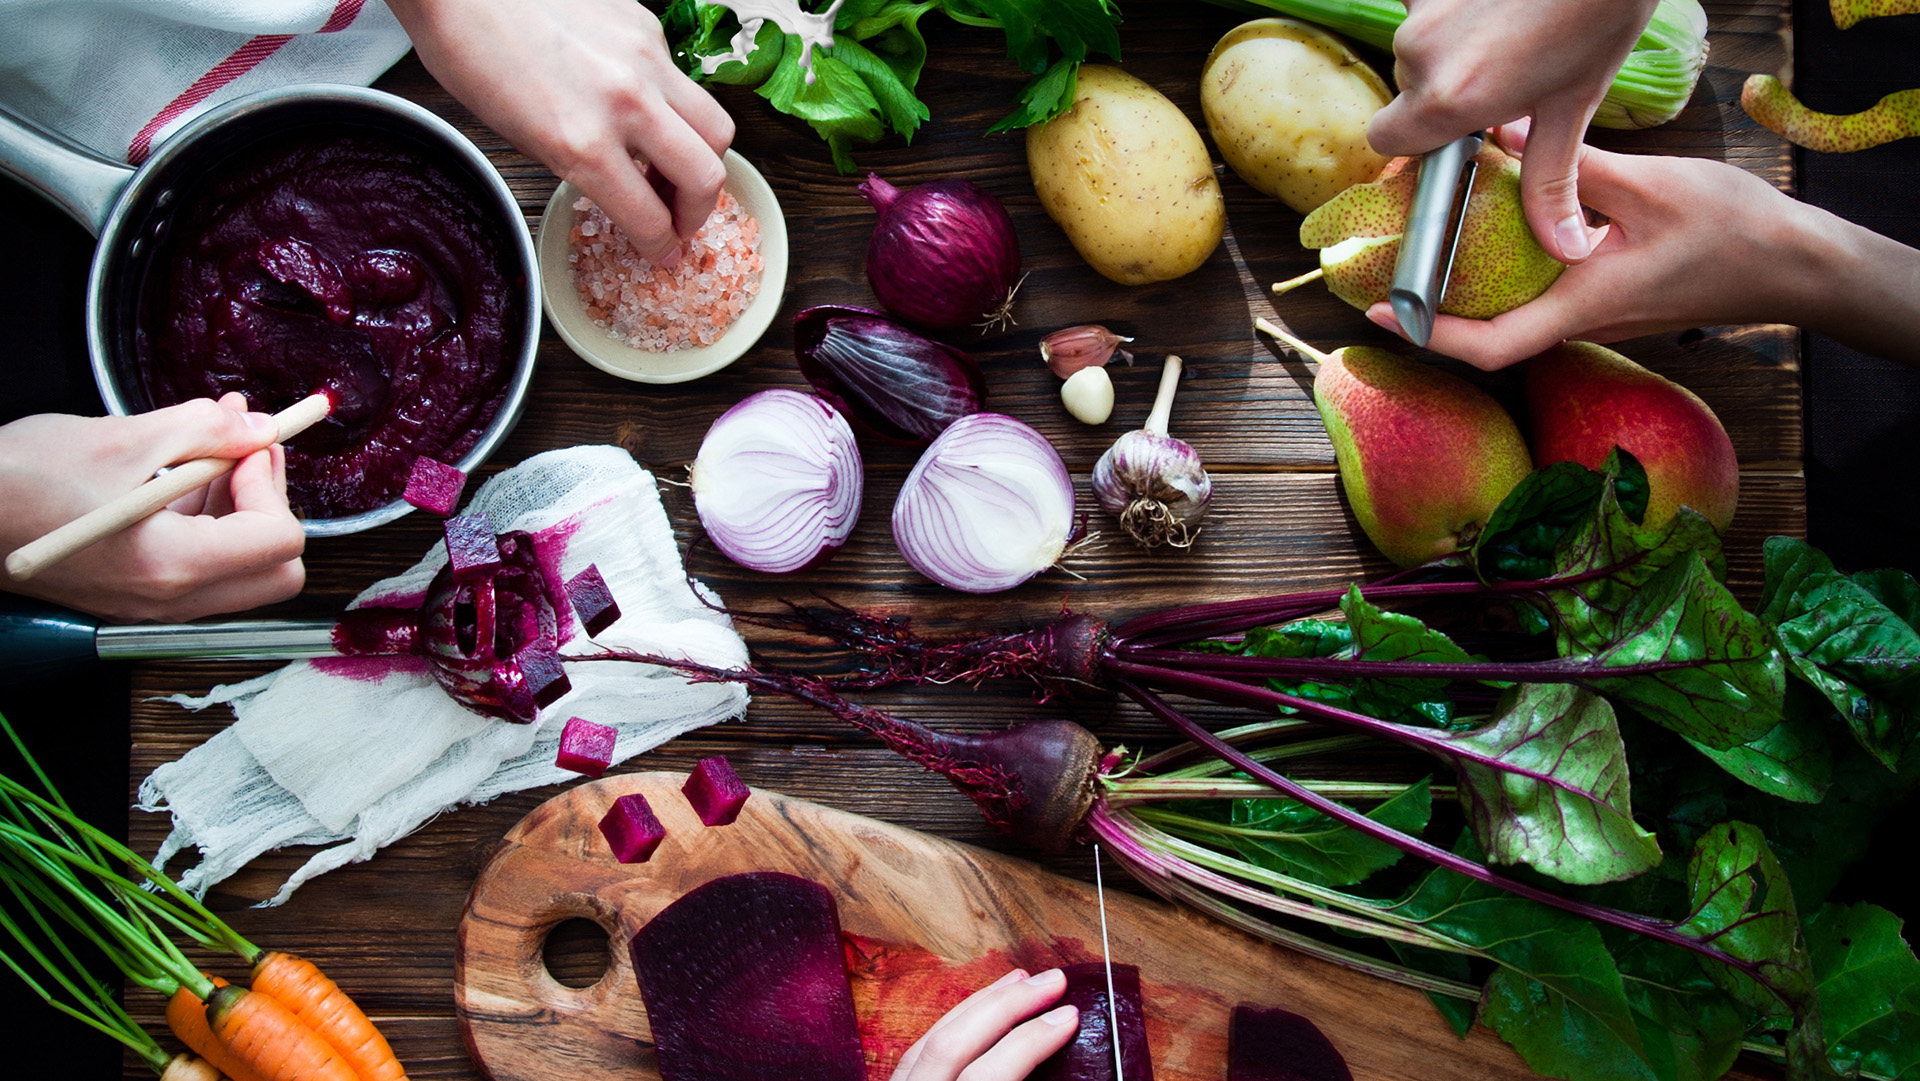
{"points": [[109, 518]]}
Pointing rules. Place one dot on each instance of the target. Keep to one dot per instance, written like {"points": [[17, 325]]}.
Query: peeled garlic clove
{"points": [[1088, 395], [1070, 350]]}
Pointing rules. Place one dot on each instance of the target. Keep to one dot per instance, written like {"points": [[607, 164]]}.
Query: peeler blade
{"points": [[1432, 233]]}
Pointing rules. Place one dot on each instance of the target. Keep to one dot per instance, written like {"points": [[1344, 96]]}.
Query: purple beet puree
{"points": [[716, 792], [631, 829], [586, 747], [343, 258]]}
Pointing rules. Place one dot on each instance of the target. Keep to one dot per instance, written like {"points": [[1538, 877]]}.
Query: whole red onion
{"points": [[943, 254]]}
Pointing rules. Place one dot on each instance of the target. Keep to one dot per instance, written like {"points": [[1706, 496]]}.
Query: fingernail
{"points": [[1382, 316], [1059, 1015], [1052, 975], [263, 423], [1571, 235], [672, 258], [1016, 974]]}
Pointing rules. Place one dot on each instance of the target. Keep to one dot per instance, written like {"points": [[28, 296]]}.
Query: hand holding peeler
{"points": [[1431, 235]]}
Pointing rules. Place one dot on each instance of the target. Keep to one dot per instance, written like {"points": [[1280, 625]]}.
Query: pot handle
{"points": [[81, 183]]}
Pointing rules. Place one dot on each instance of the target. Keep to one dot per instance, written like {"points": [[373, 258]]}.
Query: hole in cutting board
{"points": [[575, 953]]}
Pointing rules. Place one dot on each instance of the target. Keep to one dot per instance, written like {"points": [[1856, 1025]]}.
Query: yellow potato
{"points": [[1288, 106], [1127, 175]]}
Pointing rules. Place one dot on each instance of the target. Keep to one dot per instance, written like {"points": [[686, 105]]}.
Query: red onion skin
{"points": [[899, 420], [943, 254]]}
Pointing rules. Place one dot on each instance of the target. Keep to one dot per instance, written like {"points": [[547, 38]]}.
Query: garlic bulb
{"points": [[1153, 482]]}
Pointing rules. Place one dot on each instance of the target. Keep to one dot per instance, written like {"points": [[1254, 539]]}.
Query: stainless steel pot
{"points": [[129, 210]]}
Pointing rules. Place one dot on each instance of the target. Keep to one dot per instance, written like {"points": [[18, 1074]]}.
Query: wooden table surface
{"points": [[384, 928]]}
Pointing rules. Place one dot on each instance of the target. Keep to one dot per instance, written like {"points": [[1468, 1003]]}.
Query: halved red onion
{"points": [[777, 481], [988, 506]]}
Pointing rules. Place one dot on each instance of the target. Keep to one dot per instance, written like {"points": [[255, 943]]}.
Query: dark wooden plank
{"points": [[384, 929]]}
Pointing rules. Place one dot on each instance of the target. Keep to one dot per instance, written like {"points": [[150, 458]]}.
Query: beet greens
{"points": [[1637, 941]]}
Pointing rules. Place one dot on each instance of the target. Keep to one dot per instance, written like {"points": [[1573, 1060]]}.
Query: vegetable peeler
{"points": [[1431, 235], [36, 643]]}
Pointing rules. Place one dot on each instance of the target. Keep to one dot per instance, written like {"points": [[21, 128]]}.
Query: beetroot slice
{"points": [[744, 980], [631, 829], [434, 486], [1274, 1045], [1090, 1056], [586, 747], [716, 792], [472, 549], [546, 677], [592, 601]]}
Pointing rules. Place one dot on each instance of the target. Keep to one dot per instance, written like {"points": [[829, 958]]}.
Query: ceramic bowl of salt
{"points": [[660, 324]]}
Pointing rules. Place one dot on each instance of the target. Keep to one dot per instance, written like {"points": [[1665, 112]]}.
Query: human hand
{"points": [[586, 86], [984, 1037], [1691, 242], [231, 545], [1468, 65]]}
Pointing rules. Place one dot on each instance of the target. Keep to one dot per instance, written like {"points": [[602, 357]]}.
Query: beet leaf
{"points": [[1524, 533], [1575, 820], [1869, 989], [1287, 836], [1840, 637]]}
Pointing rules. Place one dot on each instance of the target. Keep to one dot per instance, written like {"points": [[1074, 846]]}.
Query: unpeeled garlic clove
{"points": [[1088, 395], [1074, 348]]}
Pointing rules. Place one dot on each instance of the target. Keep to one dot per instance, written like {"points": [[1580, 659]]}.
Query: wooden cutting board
{"points": [[928, 922]]}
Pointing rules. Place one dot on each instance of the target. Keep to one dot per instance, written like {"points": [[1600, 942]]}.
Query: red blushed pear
{"points": [[1424, 455], [1586, 399]]}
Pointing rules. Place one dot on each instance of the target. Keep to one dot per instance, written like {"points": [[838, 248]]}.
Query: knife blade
{"points": [[1431, 235], [1106, 957]]}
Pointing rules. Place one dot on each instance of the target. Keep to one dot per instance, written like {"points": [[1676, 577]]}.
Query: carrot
{"points": [[190, 1068], [187, 1017], [318, 1002], [270, 1040]]}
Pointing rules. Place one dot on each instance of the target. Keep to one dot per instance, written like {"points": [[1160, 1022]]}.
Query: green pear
{"points": [[1586, 399], [1497, 265], [1424, 455]]}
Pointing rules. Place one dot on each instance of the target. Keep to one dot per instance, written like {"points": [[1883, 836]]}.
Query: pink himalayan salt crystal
{"points": [[631, 829], [586, 747], [663, 309], [716, 792]]}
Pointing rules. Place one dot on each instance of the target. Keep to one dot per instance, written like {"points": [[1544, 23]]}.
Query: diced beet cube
{"points": [[586, 747], [716, 792], [1275, 1045], [631, 829], [546, 676], [434, 486], [745, 979], [1089, 1056], [592, 600], [472, 549]]}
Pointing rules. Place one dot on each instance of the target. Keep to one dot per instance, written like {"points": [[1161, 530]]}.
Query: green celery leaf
{"points": [[1557, 997], [1549, 786], [1734, 687], [890, 75], [1076, 27], [1297, 840], [1692, 1030], [838, 106], [1843, 640], [1869, 989], [1047, 96], [1457, 1012], [1525, 530]]}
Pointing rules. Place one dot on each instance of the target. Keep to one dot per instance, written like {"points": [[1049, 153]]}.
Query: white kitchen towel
{"points": [[358, 752], [119, 76]]}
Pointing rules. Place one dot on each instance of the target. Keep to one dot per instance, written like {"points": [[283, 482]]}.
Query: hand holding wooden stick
{"points": [[112, 517]]}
